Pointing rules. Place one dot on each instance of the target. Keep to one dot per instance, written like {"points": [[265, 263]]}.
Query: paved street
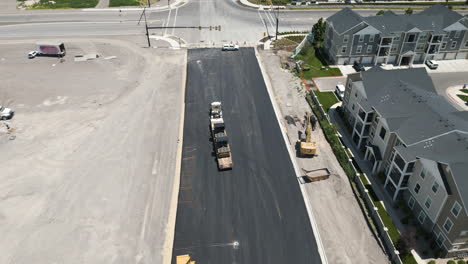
{"points": [[254, 213]]}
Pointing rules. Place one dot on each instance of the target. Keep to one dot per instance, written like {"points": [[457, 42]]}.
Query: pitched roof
{"points": [[434, 18], [429, 126], [344, 20]]}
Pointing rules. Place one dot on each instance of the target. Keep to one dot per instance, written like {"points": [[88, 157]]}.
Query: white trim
{"points": [[437, 240], [459, 211], [451, 226], [452, 46], [419, 217], [411, 202], [358, 49]]}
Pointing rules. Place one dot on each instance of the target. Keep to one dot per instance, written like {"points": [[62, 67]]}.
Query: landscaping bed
{"points": [[116, 3], [327, 99], [47, 4], [315, 64]]}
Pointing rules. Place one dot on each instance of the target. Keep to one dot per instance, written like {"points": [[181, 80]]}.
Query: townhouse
{"points": [[436, 33], [418, 142]]}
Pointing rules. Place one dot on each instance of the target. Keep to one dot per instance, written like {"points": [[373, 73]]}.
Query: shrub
{"points": [[431, 262], [451, 262], [461, 262]]}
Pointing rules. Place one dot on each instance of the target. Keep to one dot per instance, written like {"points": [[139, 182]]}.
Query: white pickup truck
{"points": [[6, 113]]}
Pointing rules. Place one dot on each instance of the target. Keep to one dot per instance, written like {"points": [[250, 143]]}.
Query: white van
{"points": [[339, 91]]}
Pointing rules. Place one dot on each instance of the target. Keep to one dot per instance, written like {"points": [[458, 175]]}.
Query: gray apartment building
{"points": [[419, 142], [436, 33]]}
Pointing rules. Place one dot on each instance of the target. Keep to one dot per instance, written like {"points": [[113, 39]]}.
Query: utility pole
{"points": [[277, 21], [143, 14]]}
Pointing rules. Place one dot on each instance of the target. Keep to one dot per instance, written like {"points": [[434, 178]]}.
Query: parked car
{"points": [[358, 66], [432, 64], [339, 91], [6, 113], [230, 47], [32, 54]]}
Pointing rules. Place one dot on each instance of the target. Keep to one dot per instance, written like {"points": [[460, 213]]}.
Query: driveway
{"points": [[328, 84]]}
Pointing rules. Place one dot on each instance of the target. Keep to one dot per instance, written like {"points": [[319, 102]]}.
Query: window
{"points": [[345, 38], [423, 173], [352, 107], [428, 202], [466, 44], [444, 45], [358, 49], [393, 49], [369, 49], [457, 33], [420, 47], [435, 187], [410, 167], [417, 188], [440, 239], [361, 38], [411, 202], [404, 182], [448, 225], [454, 44], [421, 217], [343, 49], [382, 133], [456, 208], [371, 38], [396, 38], [412, 38]]}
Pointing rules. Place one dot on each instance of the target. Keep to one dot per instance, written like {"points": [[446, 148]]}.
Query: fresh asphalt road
{"points": [[254, 213]]}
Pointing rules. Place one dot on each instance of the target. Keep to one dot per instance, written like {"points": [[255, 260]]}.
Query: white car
{"points": [[6, 113], [32, 54], [339, 91], [432, 64], [230, 47]]}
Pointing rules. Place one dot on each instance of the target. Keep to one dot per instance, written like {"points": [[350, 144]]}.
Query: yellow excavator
{"points": [[308, 147]]}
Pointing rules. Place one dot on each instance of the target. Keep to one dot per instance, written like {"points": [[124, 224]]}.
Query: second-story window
{"points": [[345, 38], [456, 208], [457, 33], [361, 38], [417, 188], [435, 187], [369, 49], [382, 133], [371, 38], [358, 49], [396, 38], [454, 44], [448, 225], [444, 45], [343, 49], [428, 202], [466, 44], [423, 173], [412, 38]]}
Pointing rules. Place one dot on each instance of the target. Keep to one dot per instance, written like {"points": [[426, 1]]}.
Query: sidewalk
{"points": [[344, 231], [452, 94]]}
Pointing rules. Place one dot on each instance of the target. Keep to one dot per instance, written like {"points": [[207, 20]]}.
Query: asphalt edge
{"points": [[171, 223], [315, 230]]}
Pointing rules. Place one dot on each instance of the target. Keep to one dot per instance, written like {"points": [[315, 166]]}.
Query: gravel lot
{"points": [[343, 229], [89, 177]]}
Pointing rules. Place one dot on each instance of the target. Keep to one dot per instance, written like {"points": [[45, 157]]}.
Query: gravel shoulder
{"points": [[345, 235], [89, 176]]}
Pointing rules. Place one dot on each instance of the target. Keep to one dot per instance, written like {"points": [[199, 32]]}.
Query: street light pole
{"points": [[149, 3], [277, 23]]}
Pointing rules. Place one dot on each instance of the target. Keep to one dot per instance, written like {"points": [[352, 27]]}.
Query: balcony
{"points": [[386, 42], [436, 39], [383, 52], [432, 49]]}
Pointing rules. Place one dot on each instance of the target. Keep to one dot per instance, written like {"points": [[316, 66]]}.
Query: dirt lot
{"points": [[88, 170], [343, 229]]}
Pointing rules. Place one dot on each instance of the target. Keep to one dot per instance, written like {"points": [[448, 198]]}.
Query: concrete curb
{"points": [[276, 108], [248, 4], [170, 228]]}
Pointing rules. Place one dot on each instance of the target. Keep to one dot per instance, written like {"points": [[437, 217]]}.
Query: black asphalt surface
{"points": [[254, 213]]}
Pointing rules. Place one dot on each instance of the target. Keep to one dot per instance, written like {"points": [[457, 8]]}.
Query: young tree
{"points": [[409, 11], [381, 12], [318, 30]]}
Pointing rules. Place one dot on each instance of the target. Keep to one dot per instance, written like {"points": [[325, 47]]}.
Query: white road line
{"points": [[261, 18], [271, 23], [175, 20], [168, 20]]}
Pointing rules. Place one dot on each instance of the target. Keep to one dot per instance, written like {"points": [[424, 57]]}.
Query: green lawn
{"points": [[463, 97], [315, 62], [464, 90], [46, 4], [327, 99], [115, 3]]}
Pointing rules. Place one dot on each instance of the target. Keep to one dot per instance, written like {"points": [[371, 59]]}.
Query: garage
{"points": [[461, 55], [366, 60], [391, 59], [439, 56], [450, 56], [342, 61]]}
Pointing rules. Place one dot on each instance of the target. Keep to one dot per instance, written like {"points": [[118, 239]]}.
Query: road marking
{"points": [[261, 19], [175, 20], [168, 20], [269, 19]]}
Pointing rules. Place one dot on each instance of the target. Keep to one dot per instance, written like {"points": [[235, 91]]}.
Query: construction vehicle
{"points": [[220, 138], [308, 147], [184, 259]]}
